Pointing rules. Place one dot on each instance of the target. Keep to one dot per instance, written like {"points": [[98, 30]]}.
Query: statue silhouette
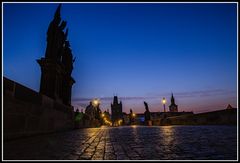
{"points": [[67, 58], [57, 66], [61, 38], [131, 116], [52, 35], [55, 37], [147, 113]]}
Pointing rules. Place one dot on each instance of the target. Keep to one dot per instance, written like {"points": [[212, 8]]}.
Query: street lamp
{"points": [[164, 102], [95, 102]]}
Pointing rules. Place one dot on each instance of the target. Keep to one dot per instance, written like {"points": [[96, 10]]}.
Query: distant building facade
{"points": [[93, 115], [106, 117], [126, 119], [107, 114], [116, 109], [173, 107], [90, 111]]}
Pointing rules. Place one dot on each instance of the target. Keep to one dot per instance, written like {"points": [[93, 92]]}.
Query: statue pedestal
{"points": [[67, 89], [55, 82], [148, 123], [51, 78]]}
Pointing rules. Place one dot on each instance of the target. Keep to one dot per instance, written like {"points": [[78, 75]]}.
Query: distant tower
{"points": [[56, 67], [229, 107], [116, 109], [173, 107]]}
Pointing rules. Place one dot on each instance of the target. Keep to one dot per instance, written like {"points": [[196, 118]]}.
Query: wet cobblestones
{"points": [[129, 143]]}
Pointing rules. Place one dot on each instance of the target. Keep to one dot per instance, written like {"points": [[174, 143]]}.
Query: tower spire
{"points": [[172, 99], [173, 107], [115, 100]]}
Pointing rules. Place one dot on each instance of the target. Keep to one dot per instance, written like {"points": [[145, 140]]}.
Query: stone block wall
{"points": [[26, 112], [220, 117]]}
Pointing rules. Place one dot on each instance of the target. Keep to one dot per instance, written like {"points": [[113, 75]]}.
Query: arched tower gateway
{"points": [[116, 109], [173, 107], [57, 66]]}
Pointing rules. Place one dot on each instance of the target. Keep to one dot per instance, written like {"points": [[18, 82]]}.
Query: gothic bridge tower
{"points": [[57, 66], [116, 109]]}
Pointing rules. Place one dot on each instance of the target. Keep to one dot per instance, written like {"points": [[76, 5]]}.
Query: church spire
{"points": [[172, 99], [173, 107]]}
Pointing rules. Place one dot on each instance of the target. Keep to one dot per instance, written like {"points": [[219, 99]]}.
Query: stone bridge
{"points": [[129, 143]]}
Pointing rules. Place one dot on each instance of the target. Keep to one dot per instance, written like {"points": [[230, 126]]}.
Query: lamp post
{"points": [[164, 102]]}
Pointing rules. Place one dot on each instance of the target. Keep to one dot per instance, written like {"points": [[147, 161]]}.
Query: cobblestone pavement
{"points": [[129, 143]]}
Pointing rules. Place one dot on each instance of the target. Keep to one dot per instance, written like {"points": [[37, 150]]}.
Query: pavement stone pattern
{"points": [[128, 143]]}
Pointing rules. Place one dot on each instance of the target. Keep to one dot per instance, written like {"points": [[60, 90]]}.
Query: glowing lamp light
{"points": [[103, 114], [95, 102], [119, 121], [164, 100], [134, 114]]}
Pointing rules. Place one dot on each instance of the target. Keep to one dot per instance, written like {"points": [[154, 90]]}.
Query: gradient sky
{"points": [[141, 52]]}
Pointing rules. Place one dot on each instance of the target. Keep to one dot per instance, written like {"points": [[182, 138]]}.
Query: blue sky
{"points": [[137, 51]]}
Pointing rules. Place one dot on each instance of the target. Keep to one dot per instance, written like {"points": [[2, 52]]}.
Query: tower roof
{"points": [[115, 100], [229, 106]]}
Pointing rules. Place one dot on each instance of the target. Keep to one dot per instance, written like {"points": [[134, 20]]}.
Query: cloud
{"points": [[203, 93], [81, 99], [154, 100], [197, 93], [106, 101], [84, 105], [109, 98], [185, 94]]}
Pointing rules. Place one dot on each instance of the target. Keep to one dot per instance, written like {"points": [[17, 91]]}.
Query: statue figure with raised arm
{"points": [[147, 113]]}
